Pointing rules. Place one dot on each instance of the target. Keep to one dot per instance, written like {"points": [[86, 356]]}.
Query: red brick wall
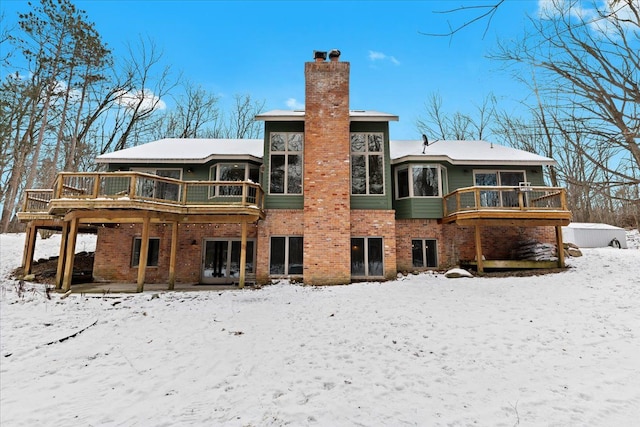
{"points": [[279, 222], [377, 223], [457, 243], [327, 173], [114, 251]]}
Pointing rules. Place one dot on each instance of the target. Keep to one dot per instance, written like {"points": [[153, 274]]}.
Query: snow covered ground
{"points": [[554, 350]]}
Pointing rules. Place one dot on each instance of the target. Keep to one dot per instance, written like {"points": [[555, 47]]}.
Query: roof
{"points": [[299, 115], [464, 153], [187, 150]]}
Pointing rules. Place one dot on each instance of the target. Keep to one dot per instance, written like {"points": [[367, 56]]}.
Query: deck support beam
{"points": [[64, 238], [70, 250], [144, 254], [29, 248], [479, 260], [560, 246], [243, 255], [172, 256]]}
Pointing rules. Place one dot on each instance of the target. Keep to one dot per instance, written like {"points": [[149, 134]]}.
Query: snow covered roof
{"points": [[464, 153], [198, 151], [187, 150], [354, 115]]}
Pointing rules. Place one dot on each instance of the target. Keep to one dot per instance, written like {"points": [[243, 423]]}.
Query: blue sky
{"points": [[260, 47]]}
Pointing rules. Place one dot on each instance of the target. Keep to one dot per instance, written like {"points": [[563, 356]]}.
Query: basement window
{"points": [[367, 257], [285, 257], [153, 253], [424, 253]]}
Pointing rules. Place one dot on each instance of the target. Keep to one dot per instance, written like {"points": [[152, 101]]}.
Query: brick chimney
{"points": [[327, 192]]}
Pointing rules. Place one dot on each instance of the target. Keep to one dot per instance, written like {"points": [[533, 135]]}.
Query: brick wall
{"points": [[327, 173], [278, 222], [457, 243], [114, 248], [377, 223]]}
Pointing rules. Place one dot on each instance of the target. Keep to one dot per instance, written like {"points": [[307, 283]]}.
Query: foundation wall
{"points": [[114, 249]]}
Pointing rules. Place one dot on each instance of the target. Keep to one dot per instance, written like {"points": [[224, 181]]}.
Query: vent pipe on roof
{"points": [[425, 142]]}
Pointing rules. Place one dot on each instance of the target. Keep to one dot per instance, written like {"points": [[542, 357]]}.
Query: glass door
{"points": [[221, 261]]}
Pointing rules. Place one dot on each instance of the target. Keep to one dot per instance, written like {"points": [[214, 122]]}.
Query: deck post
{"points": [[479, 261], [243, 255], [144, 254], [172, 256], [70, 251], [64, 238], [560, 246], [29, 248]]}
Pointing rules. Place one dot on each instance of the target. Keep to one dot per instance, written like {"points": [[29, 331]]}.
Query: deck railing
{"points": [[505, 198], [139, 186]]}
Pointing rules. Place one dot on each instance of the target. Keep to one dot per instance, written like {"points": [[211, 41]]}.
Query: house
{"points": [[325, 198]]}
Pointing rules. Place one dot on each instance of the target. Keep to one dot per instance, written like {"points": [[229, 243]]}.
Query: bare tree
{"points": [[437, 123], [587, 67], [195, 112]]}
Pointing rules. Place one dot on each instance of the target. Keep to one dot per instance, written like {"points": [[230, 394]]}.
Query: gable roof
{"points": [[464, 153], [299, 115], [187, 150]]}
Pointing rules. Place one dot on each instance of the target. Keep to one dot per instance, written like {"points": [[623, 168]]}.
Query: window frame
{"points": [[287, 255], [154, 171], [214, 190], [135, 255], [442, 178], [286, 153], [423, 248], [365, 247], [367, 154], [496, 198]]}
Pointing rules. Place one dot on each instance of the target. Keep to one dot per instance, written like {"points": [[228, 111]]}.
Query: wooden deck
{"points": [[507, 206], [80, 201], [522, 206]]}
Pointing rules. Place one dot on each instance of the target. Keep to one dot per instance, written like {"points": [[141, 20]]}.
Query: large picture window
{"points": [[285, 162], [367, 257], [155, 189], [499, 198], [420, 181], [424, 253], [152, 254], [286, 256], [367, 163], [231, 172]]}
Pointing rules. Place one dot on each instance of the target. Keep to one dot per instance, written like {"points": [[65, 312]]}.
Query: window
{"points": [[499, 198], [156, 189], [367, 257], [286, 162], [286, 255], [152, 255], [424, 253], [420, 181], [367, 163], [231, 172], [222, 259]]}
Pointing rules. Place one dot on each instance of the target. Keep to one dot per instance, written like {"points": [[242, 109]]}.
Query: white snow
{"points": [[560, 349], [464, 153], [180, 150]]}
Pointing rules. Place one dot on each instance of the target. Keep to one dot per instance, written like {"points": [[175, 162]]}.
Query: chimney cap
{"points": [[319, 55], [334, 53]]}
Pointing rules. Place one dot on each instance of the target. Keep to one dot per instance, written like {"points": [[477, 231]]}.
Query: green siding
{"points": [[457, 177], [382, 202], [279, 201]]}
